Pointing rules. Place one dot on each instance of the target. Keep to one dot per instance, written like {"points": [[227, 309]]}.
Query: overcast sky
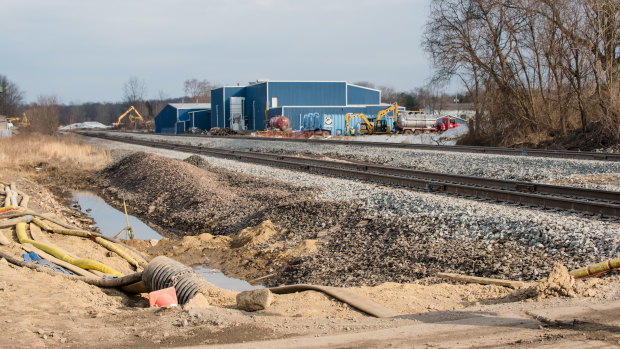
{"points": [[84, 51]]}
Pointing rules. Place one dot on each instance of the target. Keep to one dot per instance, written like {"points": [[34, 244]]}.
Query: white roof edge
{"points": [[190, 105], [332, 106], [368, 88], [338, 81]]}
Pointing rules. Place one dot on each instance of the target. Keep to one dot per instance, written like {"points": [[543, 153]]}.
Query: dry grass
{"points": [[26, 151]]}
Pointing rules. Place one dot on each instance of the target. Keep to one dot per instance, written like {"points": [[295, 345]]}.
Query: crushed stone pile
{"points": [[354, 242], [188, 200]]}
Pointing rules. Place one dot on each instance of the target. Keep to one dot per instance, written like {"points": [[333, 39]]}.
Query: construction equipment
{"points": [[416, 122], [20, 121], [376, 125], [132, 119]]}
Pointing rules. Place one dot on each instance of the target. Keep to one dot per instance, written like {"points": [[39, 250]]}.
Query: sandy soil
{"points": [[41, 310]]}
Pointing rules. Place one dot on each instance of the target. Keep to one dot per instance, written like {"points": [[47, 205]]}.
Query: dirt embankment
{"points": [[184, 199], [354, 246]]}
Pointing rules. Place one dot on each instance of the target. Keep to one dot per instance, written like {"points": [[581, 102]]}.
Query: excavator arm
{"points": [[131, 117], [384, 112]]}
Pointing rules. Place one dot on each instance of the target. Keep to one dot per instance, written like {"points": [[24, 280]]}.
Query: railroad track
{"points": [[590, 201], [562, 154]]}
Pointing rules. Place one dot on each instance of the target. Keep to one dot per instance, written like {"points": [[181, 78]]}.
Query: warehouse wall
{"points": [[302, 93], [255, 104], [165, 120], [295, 114], [202, 119], [362, 95]]}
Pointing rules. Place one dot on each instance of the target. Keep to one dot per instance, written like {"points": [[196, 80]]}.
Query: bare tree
{"points": [[199, 91], [11, 97], [134, 90], [534, 69], [388, 94], [44, 115]]}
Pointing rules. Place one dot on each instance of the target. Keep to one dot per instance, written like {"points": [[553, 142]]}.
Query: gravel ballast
{"points": [[371, 234], [519, 168]]}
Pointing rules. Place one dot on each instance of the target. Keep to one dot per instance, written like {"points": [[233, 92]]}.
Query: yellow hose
{"points": [[112, 247], [83, 263], [85, 234], [595, 269]]}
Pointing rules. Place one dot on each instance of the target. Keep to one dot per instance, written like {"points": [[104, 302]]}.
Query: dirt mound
{"points": [[252, 236], [559, 284], [197, 161], [188, 200]]}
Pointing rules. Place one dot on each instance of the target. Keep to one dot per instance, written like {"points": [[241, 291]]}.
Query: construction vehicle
{"points": [[132, 119], [376, 125], [22, 121], [418, 122]]}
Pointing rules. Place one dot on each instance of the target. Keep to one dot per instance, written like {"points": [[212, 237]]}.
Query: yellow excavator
{"points": [[20, 121], [377, 125], [133, 119]]}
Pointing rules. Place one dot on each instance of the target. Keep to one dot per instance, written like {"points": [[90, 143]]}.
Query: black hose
{"points": [[163, 272], [115, 282]]}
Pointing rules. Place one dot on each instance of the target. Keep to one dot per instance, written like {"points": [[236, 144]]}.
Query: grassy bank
{"points": [[25, 152]]}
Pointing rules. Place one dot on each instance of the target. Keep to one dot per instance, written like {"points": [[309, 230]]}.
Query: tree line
{"points": [[534, 69], [47, 112]]}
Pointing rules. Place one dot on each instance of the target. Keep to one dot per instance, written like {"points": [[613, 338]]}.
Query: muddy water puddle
{"points": [[110, 220], [220, 280]]}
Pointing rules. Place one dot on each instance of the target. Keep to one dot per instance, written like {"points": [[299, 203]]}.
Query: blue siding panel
{"points": [[295, 114], [202, 119], [165, 120], [335, 123], [361, 95], [255, 104], [303, 93]]}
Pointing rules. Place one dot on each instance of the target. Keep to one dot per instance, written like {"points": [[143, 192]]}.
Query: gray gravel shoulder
{"points": [[534, 169], [571, 238]]}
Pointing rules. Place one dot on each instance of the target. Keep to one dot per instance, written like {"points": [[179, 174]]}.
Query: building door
{"points": [[237, 115]]}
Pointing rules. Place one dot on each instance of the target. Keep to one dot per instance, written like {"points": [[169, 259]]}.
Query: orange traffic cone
{"points": [[163, 298]]}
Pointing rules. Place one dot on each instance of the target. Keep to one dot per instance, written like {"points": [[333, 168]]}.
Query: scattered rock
{"points": [[199, 301], [254, 300]]}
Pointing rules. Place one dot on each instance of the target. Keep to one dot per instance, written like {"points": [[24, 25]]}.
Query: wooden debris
{"points": [[481, 280]]}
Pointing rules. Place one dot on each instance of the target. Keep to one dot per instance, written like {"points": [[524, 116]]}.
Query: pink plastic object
{"points": [[163, 298]]}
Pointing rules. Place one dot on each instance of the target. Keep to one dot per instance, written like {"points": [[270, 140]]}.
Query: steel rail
{"points": [[527, 152], [524, 193]]}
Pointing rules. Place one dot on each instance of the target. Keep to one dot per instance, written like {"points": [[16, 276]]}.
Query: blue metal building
{"points": [[248, 107], [176, 118]]}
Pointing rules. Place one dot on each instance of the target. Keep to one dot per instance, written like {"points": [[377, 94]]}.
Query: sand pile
{"points": [[559, 284], [252, 236]]}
